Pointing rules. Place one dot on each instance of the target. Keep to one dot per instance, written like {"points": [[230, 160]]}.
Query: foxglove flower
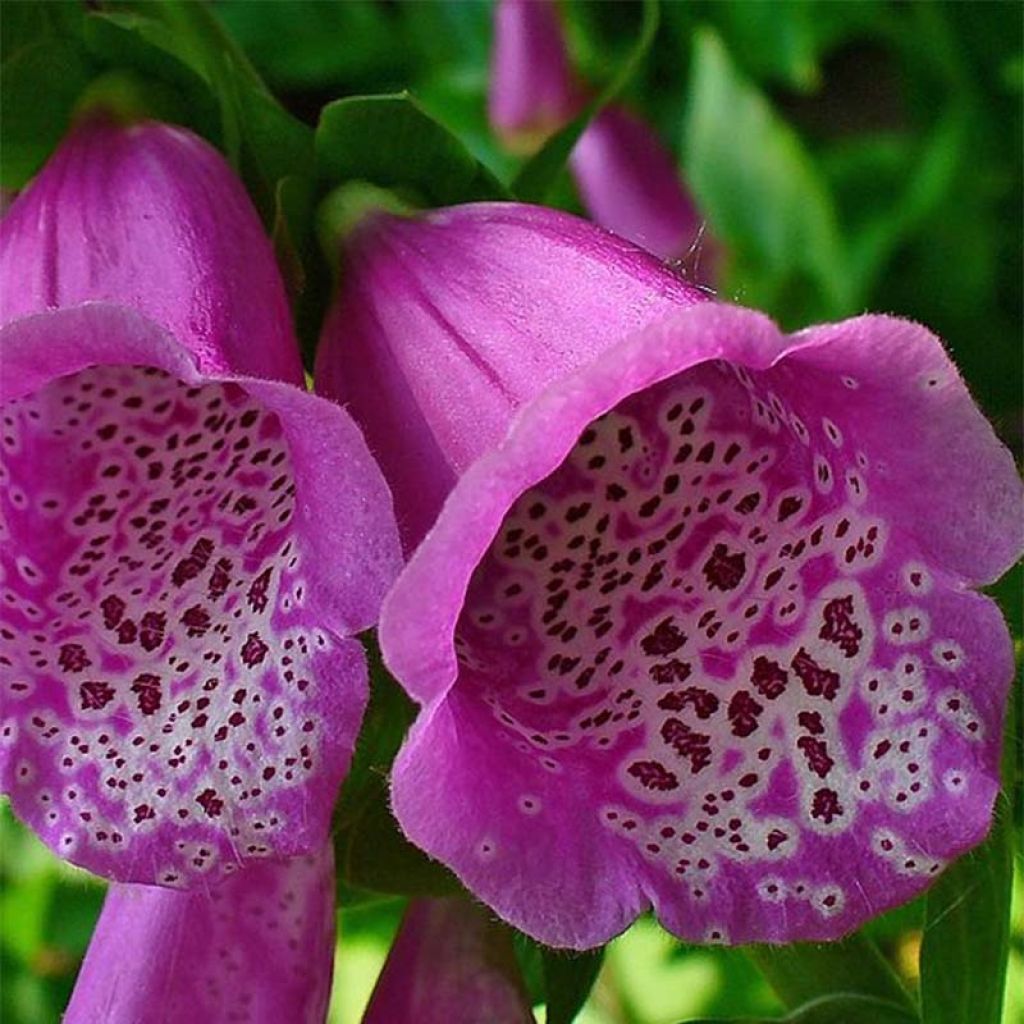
{"points": [[627, 180], [450, 962], [695, 628], [257, 949], [187, 548], [432, 366], [532, 89]]}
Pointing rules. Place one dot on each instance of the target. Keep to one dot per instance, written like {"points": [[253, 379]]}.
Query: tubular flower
{"points": [[257, 949], [450, 962], [186, 551], [433, 365], [695, 627], [628, 181]]}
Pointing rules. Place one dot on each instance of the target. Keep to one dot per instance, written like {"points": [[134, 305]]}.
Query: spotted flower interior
{"points": [[163, 672], [711, 663]]}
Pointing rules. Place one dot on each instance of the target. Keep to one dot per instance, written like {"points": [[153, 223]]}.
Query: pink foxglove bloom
{"points": [[695, 628], [532, 89], [627, 179], [450, 962], [426, 363], [188, 548], [258, 949]]}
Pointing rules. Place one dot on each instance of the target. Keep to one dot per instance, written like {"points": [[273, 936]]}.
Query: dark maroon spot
{"points": [[151, 634], [127, 631], [210, 803], [748, 503], [811, 721], [743, 712], [768, 677], [687, 743], [147, 686], [775, 838], [196, 620], [703, 702], [816, 753], [257, 595], [839, 627], [113, 608], [653, 775], [826, 806], [818, 681], [724, 570], [189, 568], [674, 671], [666, 638], [220, 579], [73, 658], [95, 694], [254, 650], [789, 507]]}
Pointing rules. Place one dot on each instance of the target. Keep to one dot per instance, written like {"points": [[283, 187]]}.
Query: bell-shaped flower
{"points": [[451, 961], [627, 179], [696, 628], [432, 365], [187, 548], [258, 949]]}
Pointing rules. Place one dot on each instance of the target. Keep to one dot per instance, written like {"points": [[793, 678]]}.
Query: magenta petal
{"points": [[257, 950], [532, 92], [629, 184], [450, 962], [445, 326], [697, 635], [150, 216], [185, 560]]}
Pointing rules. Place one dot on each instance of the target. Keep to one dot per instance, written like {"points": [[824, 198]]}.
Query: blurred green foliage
{"points": [[848, 156]]}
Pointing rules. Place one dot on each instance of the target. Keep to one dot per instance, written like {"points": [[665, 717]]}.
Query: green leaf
{"points": [[39, 85], [967, 933], [760, 189], [262, 140], [391, 142], [372, 854], [537, 177], [923, 190], [842, 1009], [803, 972], [568, 979]]}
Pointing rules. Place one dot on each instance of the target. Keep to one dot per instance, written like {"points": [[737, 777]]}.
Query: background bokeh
{"points": [[847, 156]]}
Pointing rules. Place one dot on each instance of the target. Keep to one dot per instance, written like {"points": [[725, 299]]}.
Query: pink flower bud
{"points": [[451, 961], [532, 90]]}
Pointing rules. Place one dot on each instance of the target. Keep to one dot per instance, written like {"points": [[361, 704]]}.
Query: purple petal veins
{"points": [[256, 949], [449, 322], [698, 637], [150, 216], [450, 962]]}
